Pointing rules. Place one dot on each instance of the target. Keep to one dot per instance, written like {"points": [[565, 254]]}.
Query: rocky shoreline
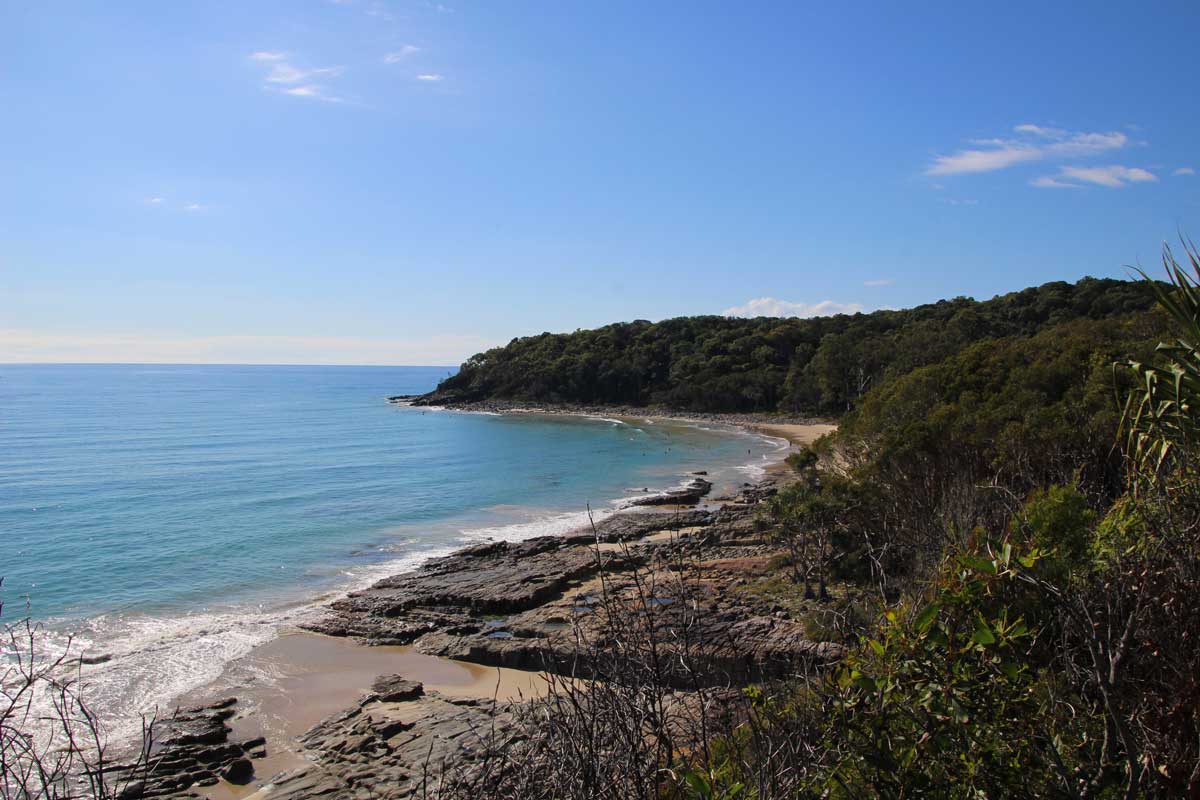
{"points": [[529, 605], [533, 606]]}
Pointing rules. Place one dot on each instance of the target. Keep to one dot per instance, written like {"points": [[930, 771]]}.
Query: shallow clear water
{"points": [[172, 516]]}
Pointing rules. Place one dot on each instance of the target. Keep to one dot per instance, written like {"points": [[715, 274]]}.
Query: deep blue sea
{"points": [[173, 517]]}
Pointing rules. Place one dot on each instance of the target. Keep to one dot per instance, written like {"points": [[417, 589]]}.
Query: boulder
{"points": [[240, 771], [393, 689]]}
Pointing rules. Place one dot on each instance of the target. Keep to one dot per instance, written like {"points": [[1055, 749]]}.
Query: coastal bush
{"points": [[944, 695], [955, 447], [1000, 679], [815, 519], [1059, 522], [947, 695]]}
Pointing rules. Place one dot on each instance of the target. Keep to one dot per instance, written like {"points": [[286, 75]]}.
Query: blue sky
{"points": [[371, 181]]}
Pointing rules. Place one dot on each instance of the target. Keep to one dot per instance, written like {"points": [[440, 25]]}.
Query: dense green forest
{"points": [[817, 365]]}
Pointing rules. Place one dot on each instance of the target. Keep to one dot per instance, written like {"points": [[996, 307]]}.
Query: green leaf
{"points": [[983, 634], [980, 564], [927, 616]]}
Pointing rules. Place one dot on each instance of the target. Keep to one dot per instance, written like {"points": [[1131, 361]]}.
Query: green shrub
{"points": [[1058, 520]]}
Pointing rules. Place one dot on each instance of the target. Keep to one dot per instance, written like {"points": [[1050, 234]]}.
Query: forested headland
{"points": [[821, 365]]}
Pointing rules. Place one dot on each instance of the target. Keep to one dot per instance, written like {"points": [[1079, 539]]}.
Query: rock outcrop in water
{"points": [[689, 495]]}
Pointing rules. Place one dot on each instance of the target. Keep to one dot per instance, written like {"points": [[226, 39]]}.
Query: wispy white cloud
{"points": [[962, 201], [774, 307], [284, 76], [312, 91], [159, 201], [431, 77], [1183, 171], [989, 160], [396, 56], [1050, 182], [1040, 130], [33, 346], [283, 72], [1032, 143], [879, 282], [1113, 176], [1080, 145]]}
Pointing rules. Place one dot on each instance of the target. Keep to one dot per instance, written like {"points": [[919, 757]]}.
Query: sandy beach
{"points": [[799, 434]]}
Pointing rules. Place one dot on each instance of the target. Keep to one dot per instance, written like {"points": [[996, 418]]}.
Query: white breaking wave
{"points": [[549, 525], [609, 420], [150, 661], [146, 663]]}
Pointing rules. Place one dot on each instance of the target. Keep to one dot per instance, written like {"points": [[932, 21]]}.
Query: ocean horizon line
{"points": [[215, 364]]}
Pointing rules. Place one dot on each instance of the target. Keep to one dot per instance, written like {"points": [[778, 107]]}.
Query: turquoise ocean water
{"points": [[170, 518]]}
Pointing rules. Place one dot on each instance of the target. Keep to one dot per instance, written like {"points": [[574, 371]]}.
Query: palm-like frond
{"points": [[1160, 419]]}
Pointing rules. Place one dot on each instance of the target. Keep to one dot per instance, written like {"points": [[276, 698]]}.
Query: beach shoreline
{"points": [[739, 419], [331, 673], [796, 429]]}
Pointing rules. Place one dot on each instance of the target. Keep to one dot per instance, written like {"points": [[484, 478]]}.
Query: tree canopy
{"points": [[817, 365]]}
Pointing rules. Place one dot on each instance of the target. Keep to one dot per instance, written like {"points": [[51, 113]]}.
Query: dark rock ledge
{"points": [[192, 749], [456, 592], [526, 604]]}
